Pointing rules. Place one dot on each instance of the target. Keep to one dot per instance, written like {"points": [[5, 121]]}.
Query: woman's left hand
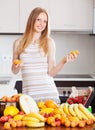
{"points": [[71, 57]]}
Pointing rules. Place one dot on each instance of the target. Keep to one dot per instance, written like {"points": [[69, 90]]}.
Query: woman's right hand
{"points": [[17, 65]]}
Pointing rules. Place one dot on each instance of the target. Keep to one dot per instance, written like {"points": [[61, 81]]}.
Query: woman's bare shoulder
{"points": [[51, 41], [17, 42]]}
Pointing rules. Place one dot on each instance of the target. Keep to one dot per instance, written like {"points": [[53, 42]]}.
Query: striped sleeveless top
{"points": [[36, 81]]}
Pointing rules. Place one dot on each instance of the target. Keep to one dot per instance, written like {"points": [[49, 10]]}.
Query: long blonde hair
{"points": [[29, 32]]}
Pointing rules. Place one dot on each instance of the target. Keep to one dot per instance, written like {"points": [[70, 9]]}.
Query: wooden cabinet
{"points": [[26, 6], [9, 16], [71, 15]]}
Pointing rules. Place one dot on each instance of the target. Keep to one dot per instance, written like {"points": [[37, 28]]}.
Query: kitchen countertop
{"points": [[87, 127], [64, 77], [75, 77]]}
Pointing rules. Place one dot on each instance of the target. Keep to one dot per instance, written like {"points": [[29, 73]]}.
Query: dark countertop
{"points": [[87, 127]]}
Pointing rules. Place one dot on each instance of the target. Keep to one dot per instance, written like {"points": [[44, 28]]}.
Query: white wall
{"points": [[65, 43], [6, 46], [85, 63]]}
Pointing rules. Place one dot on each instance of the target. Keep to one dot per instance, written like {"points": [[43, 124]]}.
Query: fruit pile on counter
{"points": [[41, 113]]}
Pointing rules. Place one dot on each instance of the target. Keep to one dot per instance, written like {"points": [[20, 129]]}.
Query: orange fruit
{"points": [[17, 62], [7, 126], [63, 119], [18, 123], [13, 124], [58, 111], [50, 120], [67, 123], [75, 51], [23, 123], [41, 104], [51, 104]]}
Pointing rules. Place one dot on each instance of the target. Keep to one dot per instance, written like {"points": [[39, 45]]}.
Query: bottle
{"points": [[90, 109]]}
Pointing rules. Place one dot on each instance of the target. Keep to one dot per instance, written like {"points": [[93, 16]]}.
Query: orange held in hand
{"points": [[75, 51], [17, 62]]}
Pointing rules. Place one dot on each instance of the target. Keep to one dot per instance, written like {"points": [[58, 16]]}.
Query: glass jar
{"points": [[2, 107]]}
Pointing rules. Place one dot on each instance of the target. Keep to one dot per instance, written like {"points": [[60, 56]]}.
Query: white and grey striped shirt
{"points": [[36, 81]]}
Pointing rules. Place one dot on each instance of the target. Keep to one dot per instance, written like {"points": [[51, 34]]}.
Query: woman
{"points": [[36, 50]]}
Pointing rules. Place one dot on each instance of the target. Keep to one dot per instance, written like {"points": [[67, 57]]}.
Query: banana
{"points": [[65, 108], [35, 124], [36, 115], [84, 117], [77, 111], [27, 118], [71, 110], [86, 112], [61, 106]]}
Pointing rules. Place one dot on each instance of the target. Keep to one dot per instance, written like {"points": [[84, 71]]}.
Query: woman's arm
{"points": [[15, 68], [53, 68]]}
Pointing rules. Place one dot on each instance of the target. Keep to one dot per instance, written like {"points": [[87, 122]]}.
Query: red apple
{"points": [[46, 115], [4, 119], [21, 113], [58, 122], [89, 121]]}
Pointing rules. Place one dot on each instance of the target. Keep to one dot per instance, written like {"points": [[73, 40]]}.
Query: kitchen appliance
{"points": [[65, 82], [65, 90], [7, 84], [73, 76], [94, 22]]}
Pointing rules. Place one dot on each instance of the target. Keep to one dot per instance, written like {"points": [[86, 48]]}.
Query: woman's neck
{"points": [[36, 37]]}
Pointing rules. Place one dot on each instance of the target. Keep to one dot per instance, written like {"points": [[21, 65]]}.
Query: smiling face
{"points": [[40, 23]]}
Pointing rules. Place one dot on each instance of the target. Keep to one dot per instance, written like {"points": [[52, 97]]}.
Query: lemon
{"points": [[18, 117], [11, 110]]}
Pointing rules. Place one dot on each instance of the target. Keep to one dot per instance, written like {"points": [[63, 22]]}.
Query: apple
{"points": [[58, 122], [89, 121], [4, 119], [9, 117], [51, 114], [46, 115], [21, 113]]}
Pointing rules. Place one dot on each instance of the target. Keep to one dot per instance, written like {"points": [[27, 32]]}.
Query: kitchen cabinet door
{"points": [[71, 15], [26, 6], [9, 16]]}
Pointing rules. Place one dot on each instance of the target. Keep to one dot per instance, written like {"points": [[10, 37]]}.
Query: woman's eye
{"points": [[38, 19]]}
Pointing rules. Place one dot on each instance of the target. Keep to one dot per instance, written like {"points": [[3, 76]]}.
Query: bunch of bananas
{"points": [[77, 110], [34, 119]]}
